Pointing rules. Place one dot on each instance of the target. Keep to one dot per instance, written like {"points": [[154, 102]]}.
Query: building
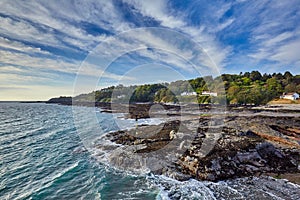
{"points": [[207, 93], [291, 96], [188, 94], [121, 96]]}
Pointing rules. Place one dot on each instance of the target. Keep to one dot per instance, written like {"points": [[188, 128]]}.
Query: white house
{"points": [[291, 96], [188, 94], [207, 93], [121, 96]]}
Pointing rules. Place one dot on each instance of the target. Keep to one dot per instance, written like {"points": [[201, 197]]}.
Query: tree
{"points": [[246, 81], [257, 95], [232, 92], [247, 74], [288, 77], [274, 85], [265, 77], [244, 88], [255, 75], [292, 87], [278, 76]]}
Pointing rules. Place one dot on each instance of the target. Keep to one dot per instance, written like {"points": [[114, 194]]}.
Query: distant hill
{"points": [[61, 100], [244, 88]]}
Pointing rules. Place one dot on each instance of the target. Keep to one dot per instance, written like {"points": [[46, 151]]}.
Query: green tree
{"points": [[255, 75]]}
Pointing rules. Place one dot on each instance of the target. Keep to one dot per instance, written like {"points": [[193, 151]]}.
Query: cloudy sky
{"points": [[49, 47]]}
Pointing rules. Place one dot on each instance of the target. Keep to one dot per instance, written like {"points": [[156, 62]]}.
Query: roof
{"points": [[291, 93]]}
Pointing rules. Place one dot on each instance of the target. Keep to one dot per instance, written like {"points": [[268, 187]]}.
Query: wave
{"points": [[50, 180], [241, 188], [63, 172]]}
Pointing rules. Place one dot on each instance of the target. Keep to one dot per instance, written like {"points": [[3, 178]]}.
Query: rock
{"points": [[251, 158], [213, 153], [215, 165], [172, 135], [210, 177], [267, 150], [251, 169], [248, 133]]}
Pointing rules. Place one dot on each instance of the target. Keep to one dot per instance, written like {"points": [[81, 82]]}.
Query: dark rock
{"points": [[237, 151], [248, 133], [267, 150]]}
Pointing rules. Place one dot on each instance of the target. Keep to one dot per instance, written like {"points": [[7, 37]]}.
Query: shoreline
{"points": [[248, 149], [142, 109], [174, 113]]}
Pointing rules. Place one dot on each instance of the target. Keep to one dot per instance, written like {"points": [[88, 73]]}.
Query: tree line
{"points": [[244, 88]]}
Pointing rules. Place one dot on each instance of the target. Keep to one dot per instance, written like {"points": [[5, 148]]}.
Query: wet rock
{"points": [[252, 158], [216, 153], [248, 133], [267, 150]]}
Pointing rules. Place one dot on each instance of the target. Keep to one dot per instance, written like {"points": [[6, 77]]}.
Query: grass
{"points": [[205, 115], [284, 101]]}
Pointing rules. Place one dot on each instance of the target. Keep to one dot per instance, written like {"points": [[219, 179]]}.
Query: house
{"points": [[207, 93], [188, 94], [121, 96], [291, 96]]}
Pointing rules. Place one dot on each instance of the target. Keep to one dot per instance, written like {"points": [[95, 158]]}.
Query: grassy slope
{"points": [[284, 101]]}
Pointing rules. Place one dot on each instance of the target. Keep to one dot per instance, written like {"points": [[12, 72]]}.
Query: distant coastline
{"points": [[249, 88]]}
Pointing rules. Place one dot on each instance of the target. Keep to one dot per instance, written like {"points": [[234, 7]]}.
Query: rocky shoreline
{"points": [[198, 143], [211, 147]]}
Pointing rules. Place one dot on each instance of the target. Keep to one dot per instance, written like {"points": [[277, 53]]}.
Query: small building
{"points": [[121, 96], [188, 94], [291, 96], [207, 93]]}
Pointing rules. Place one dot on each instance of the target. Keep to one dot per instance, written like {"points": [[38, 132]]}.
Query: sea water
{"points": [[43, 156]]}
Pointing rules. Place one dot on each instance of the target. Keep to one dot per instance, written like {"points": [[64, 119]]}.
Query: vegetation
{"points": [[245, 88]]}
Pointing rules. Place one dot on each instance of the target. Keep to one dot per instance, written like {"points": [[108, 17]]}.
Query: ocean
{"points": [[44, 156]]}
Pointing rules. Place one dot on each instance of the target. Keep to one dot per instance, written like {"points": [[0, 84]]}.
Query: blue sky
{"points": [[49, 47]]}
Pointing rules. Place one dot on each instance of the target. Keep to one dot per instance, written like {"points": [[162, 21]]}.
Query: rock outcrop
{"points": [[241, 147]]}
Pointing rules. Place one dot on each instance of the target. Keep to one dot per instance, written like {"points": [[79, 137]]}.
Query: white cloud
{"points": [[39, 63], [159, 11], [270, 30], [22, 59], [24, 31], [287, 53], [33, 92], [20, 79], [158, 45], [50, 17], [18, 46]]}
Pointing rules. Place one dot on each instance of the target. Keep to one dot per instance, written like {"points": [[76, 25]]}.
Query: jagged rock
{"points": [[251, 158], [267, 150], [248, 133], [216, 153]]}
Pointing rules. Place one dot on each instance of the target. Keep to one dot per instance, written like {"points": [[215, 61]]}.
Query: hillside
{"points": [[245, 88]]}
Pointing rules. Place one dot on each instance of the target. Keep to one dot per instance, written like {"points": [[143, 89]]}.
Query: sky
{"points": [[54, 48]]}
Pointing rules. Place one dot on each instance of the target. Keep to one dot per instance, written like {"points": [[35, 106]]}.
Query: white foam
{"points": [[231, 189], [64, 171], [125, 124]]}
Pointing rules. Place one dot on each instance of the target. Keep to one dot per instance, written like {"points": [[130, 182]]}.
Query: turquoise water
{"points": [[42, 157]]}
